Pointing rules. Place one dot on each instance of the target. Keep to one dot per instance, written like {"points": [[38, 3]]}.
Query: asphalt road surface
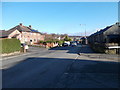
{"points": [[59, 67]]}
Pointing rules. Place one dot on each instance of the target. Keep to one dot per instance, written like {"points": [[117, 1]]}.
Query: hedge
{"points": [[60, 42], [98, 48], [10, 45]]}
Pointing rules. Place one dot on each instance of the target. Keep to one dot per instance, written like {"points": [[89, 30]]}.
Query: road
{"points": [[60, 67]]}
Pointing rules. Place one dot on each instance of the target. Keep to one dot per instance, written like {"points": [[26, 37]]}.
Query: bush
{"points": [[41, 41], [66, 38], [111, 51], [10, 45], [51, 41], [60, 42]]}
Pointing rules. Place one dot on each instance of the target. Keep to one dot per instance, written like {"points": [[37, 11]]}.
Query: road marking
{"points": [[66, 73], [76, 57]]}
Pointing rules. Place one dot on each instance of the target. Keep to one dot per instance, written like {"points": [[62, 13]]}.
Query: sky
{"points": [[60, 0], [60, 17]]}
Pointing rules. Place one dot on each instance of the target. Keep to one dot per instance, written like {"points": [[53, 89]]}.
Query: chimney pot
{"points": [[30, 26]]}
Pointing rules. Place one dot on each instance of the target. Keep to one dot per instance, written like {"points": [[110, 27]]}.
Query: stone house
{"points": [[108, 37], [99, 36], [24, 34]]}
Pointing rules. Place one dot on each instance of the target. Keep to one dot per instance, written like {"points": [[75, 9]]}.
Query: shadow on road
{"points": [[76, 49], [47, 72]]}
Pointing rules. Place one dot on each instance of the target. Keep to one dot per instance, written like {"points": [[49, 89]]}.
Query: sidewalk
{"points": [[86, 51], [115, 58], [13, 55]]}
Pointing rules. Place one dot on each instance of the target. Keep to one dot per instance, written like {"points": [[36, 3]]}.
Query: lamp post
{"points": [[85, 28], [85, 32]]}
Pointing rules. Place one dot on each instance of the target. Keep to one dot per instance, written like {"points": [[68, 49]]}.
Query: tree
{"points": [[70, 39], [67, 38]]}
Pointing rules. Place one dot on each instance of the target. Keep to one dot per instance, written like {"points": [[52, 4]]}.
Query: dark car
{"points": [[22, 44]]}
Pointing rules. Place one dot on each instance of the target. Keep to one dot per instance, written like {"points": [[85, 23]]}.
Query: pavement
{"points": [[60, 67]]}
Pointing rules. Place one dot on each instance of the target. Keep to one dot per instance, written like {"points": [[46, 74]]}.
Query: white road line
{"points": [[76, 57]]}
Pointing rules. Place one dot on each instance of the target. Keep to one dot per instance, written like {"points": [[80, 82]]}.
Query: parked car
{"points": [[22, 44], [68, 42], [77, 42], [73, 43]]}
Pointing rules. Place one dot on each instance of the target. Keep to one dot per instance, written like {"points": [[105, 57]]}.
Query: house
{"points": [[108, 37], [54, 36], [75, 38], [83, 40], [23, 33], [99, 36]]}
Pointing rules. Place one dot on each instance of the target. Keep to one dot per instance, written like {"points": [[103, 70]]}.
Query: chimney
{"points": [[20, 24], [117, 23], [30, 26]]}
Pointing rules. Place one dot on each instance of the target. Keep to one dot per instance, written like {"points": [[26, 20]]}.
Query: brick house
{"points": [[23, 33]]}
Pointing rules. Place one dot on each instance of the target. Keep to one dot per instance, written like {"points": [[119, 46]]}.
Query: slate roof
{"points": [[113, 36], [20, 28], [114, 30], [3, 33], [102, 30], [24, 29]]}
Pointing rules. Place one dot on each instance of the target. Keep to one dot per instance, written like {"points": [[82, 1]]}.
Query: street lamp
{"points": [[85, 28], [85, 32]]}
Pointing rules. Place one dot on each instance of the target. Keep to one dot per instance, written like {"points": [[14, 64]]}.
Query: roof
{"points": [[75, 36], [113, 36], [83, 37], [3, 33], [115, 29], [20, 28], [102, 30]]}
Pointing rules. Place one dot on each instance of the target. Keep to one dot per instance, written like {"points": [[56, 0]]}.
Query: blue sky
{"points": [[60, 17]]}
